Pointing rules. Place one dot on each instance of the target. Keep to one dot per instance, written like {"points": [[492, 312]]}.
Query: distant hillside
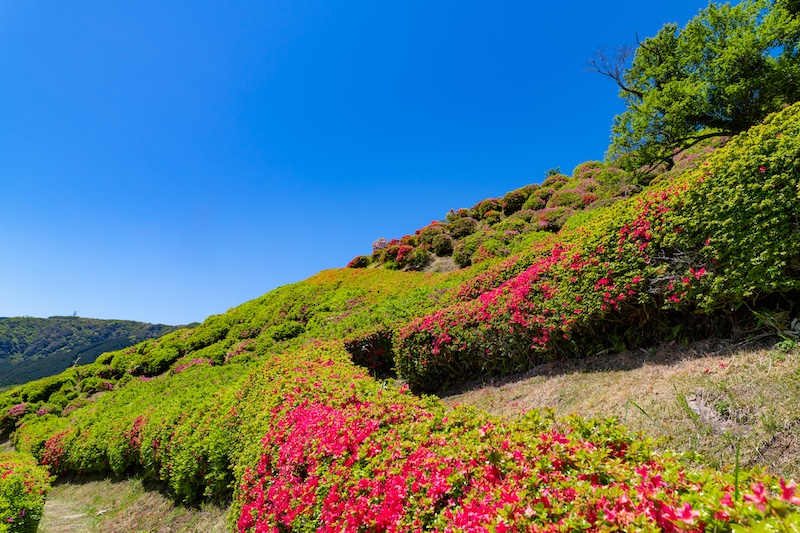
{"points": [[32, 348]]}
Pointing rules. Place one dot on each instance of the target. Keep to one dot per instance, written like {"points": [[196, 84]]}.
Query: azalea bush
{"points": [[307, 441], [718, 235], [23, 487], [340, 453]]}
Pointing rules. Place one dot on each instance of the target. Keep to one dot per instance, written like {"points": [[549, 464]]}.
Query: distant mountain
{"points": [[32, 348]]}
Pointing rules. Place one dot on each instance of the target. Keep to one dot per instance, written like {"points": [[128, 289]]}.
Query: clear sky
{"points": [[165, 161]]}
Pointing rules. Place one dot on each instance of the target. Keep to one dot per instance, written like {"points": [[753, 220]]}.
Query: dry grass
{"points": [[103, 506], [704, 398]]}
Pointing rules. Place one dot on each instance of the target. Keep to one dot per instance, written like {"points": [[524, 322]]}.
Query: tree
{"points": [[718, 76]]}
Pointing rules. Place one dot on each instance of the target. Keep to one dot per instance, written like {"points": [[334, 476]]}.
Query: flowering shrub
{"points": [[373, 351], [567, 198], [534, 203], [553, 218], [362, 261], [514, 200], [480, 209], [310, 443], [442, 245], [23, 486], [341, 455], [492, 217], [724, 232], [555, 181], [177, 369], [461, 227]]}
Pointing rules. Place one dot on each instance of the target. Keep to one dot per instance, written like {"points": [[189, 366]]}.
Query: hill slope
{"points": [[32, 348], [264, 405]]}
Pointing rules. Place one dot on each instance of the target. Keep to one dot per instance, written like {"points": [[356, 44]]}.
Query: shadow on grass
{"points": [[149, 485], [666, 354]]}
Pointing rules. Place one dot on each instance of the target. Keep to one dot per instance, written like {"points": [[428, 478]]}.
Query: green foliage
{"points": [[534, 203], [492, 217], [461, 227], [685, 250], [567, 198], [726, 70], [23, 486], [465, 249], [426, 235], [553, 218], [443, 245], [373, 350], [479, 210], [514, 200], [285, 331], [362, 261], [555, 181]]}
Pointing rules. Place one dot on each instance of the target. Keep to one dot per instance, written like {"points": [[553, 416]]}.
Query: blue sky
{"points": [[165, 161]]}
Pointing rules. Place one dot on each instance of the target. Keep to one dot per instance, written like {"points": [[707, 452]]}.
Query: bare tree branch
{"points": [[612, 63]]}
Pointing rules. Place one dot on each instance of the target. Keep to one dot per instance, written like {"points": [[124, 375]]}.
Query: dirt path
{"points": [[63, 516], [103, 506]]}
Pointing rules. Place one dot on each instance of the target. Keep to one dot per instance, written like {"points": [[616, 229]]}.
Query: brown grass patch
{"points": [[103, 506], [707, 397]]}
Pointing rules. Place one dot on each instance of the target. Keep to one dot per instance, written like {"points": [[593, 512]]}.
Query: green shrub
{"points": [[23, 487], [410, 240], [586, 170], [419, 258], [427, 234], [555, 181], [461, 227], [553, 218], [492, 217], [480, 209], [285, 331], [373, 351], [443, 245], [567, 198], [534, 203], [454, 215], [514, 200], [362, 261], [464, 250]]}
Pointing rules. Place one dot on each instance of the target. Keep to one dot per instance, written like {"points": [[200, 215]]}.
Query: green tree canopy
{"points": [[723, 72]]}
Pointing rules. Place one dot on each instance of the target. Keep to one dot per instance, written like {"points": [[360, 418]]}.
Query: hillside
{"points": [[32, 348], [263, 404]]}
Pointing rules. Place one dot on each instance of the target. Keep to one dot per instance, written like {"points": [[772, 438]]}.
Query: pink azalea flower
{"points": [[758, 497], [788, 492]]}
